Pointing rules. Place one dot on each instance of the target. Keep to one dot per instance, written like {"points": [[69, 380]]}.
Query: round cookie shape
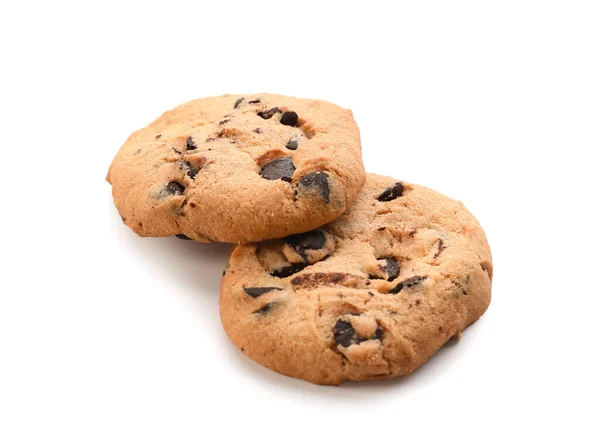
{"points": [[371, 295], [239, 169]]}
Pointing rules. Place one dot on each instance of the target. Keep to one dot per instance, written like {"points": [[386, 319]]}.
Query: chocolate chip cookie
{"points": [[239, 169], [371, 295]]}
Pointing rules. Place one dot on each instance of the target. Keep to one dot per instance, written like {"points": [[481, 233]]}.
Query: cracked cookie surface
{"points": [[239, 168], [371, 295]]}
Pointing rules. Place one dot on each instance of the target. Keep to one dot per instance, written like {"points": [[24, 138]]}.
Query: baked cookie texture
{"points": [[239, 168], [371, 295]]}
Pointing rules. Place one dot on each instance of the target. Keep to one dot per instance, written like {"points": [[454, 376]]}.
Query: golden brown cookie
{"points": [[371, 295], [239, 169]]}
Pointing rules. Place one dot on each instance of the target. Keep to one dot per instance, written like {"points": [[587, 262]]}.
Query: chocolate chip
{"points": [[292, 144], [258, 130], [268, 114], [440, 248], [224, 121], [391, 193], [289, 118], [391, 268], [301, 243], [157, 136], [279, 169], [410, 282], [189, 144], [344, 334], [175, 188], [319, 181], [378, 334], [254, 292], [182, 237], [192, 172], [265, 309], [238, 102], [287, 271], [256, 101]]}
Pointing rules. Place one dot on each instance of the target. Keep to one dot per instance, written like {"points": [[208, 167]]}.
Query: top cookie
{"points": [[239, 169]]}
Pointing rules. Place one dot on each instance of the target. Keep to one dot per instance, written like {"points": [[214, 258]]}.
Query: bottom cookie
{"points": [[371, 295]]}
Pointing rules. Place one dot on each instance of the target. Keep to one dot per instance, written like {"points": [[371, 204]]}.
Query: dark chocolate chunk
{"points": [[238, 102], [265, 309], [410, 282], [289, 118], [345, 335], [192, 171], [279, 169], [319, 181], [287, 271], [182, 237], [190, 144], [378, 333], [391, 193], [157, 136], [268, 114], [224, 121], [301, 243], [175, 188], [258, 130], [256, 101], [254, 292], [292, 144], [391, 268]]}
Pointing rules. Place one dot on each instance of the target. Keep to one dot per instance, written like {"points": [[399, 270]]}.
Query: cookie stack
{"points": [[337, 274]]}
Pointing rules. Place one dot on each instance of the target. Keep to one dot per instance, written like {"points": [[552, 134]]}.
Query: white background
{"points": [[111, 339]]}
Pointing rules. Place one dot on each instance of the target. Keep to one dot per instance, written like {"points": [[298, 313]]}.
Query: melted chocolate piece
{"points": [[255, 292], [317, 181], [268, 114], [265, 309], [238, 102], [301, 243], [408, 283], [391, 193], [279, 169], [345, 335], [175, 188], [287, 271], [190, 144], [392, 269]]}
